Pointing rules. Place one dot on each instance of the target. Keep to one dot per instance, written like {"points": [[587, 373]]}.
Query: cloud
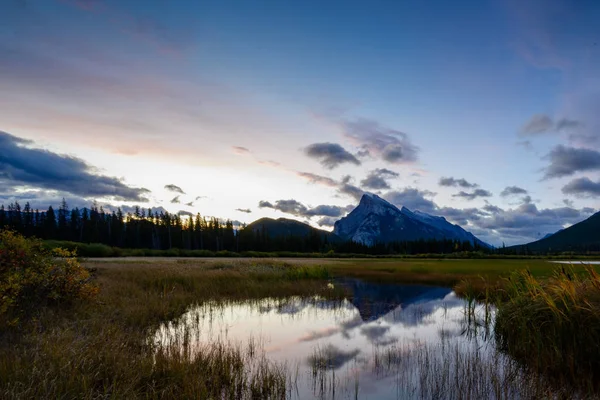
{"points": [[566, 161], [451, 182], [330, 155], [344, 186], [347, 188], [190, 204], [318, 179], [542, 123], [298, 209], [413, 199], [265, 204], [526, 222], [582, 187], [473, 195], [25, 166], [327, 221], [244, 210], [186, 213], [567, 124], [568, 203], [373, 139], [539, 123], [174, 188], [512, 190], [175, 200], [240, 150], [377, 179]]}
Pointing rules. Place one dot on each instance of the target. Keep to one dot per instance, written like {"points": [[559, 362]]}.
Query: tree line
{"points": [[160, 230]]}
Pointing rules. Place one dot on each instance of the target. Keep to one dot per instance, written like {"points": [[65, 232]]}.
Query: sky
{"points": [[485, 112]]}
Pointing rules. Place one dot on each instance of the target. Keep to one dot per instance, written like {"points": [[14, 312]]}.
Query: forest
{"points": [[145, 229]]}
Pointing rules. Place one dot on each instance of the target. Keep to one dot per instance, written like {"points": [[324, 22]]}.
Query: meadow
{"points": [[97, 348]]}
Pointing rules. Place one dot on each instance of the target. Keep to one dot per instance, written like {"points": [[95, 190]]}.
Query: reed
{"points": [[553, 326]]}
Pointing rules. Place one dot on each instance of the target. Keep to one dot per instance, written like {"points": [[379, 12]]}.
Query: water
{"points": [[385, 342], [577, 262]]}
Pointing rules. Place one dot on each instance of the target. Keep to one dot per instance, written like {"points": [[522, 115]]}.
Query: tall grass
{"points": [[100, 349], [553, 326]]}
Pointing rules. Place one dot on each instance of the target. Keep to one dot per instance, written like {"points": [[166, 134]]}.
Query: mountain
{"points": [[376, 220], [286, 227], [582, 236]]}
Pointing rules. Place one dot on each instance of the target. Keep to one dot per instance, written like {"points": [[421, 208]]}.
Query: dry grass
{"points": [[553, 326], [100, 349]]}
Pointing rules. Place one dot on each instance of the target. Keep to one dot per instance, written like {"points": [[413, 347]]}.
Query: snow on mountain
{"points": [[375, 219]]}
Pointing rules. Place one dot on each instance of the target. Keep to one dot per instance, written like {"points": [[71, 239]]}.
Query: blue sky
{"points": [[311, 102]]}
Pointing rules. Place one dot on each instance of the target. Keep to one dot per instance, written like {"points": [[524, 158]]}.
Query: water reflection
{"points": [[382, 343]]}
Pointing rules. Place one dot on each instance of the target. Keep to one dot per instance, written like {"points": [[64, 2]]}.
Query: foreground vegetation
{"points": [[94, 348], [553, 326], [73, 332]]}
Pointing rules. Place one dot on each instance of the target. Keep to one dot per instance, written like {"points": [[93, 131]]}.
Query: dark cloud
{"points": [[526, 222], [373, 139], [185, 213], [566, 161], [24, 166], [244, 210], [541, 123], [452, 182], [174, 189], [473, 195], [582, 187], [190, 204], [492, 209], [512, 190], [240, 150], [413, 199], [330, 155], [175, 200], [265, 204], [348, 189], [298, 209], [377, 179], [319, 179]]}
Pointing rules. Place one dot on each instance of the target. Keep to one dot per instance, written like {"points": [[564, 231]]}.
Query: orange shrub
{"points": [[31, 276]]}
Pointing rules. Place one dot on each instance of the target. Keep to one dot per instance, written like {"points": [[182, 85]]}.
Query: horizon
{"points": [[484, 113]]}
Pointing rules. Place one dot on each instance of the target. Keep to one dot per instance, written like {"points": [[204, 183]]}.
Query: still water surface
{"points": [[386, 341]]}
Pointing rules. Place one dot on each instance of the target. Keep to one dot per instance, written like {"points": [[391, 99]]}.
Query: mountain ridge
{"points": [[377, 220]]}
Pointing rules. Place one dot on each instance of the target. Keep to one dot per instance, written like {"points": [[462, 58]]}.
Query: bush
{"points": [[33, 276]]}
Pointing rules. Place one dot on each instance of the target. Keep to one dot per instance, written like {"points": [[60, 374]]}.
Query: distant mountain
{"points": [[376, 220], [287, 227], [582, 236]]}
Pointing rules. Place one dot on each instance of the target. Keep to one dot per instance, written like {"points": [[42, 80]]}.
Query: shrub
{"points": [[32, 276]]}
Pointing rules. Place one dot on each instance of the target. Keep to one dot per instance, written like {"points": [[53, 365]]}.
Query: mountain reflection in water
{"points": [[344, 336]]}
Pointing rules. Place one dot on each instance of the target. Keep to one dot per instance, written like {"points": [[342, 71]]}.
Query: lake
{"points": [[385, 341]]}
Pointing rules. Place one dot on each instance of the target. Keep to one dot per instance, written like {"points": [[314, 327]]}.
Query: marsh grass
{"points": [[553, 326], [99, 349]]}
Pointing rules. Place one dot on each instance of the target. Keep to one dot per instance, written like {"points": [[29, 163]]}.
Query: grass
{"points": [[100, 349], [553, 326]]}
